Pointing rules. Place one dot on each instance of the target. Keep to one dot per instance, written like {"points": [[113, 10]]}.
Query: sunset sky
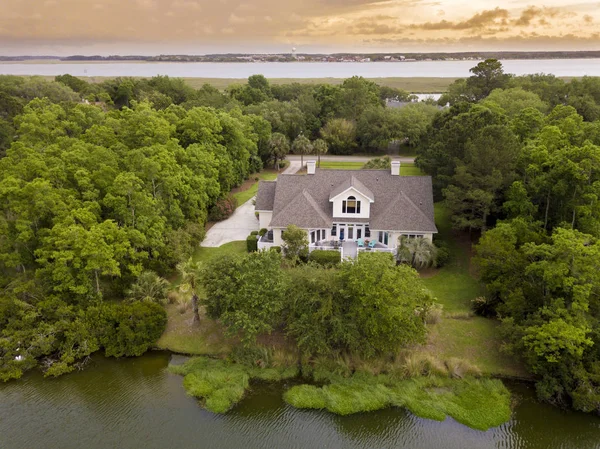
{"points": [[62, 27]]}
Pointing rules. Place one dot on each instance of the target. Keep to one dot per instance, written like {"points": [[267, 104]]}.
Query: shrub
{"points": [[433, 314], [460, 368], [252, 243], [172, 297], [443, 254], [263, 231], [254, 233], [149, 287], [223, 209], [419, 364], [276, 249], [127, 329], [384, 162], [325, 258], [483, 307]]}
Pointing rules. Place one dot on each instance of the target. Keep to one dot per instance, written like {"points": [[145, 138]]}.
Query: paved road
{"points": [[330, 158]]}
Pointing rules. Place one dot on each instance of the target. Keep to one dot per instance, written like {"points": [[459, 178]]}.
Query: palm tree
{"points": [[302, 146], [280, 146], [149, 287], [320, 147], [190, 281], [419, 252]]}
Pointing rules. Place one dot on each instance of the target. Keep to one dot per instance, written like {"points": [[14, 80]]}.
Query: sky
{"points": [[150, 27]]}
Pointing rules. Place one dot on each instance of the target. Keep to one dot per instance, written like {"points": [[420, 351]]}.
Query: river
{"points": [[443, 69], [135, 403]]}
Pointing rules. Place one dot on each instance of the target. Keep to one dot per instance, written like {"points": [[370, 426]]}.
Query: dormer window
{"points": [[351, 206]]}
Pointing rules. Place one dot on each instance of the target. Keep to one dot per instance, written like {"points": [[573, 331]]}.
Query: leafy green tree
{"points": [[515, 100], [356, 95], [487, 76], [302, 146], [340, 135], [295, 245], [245, 293], [383, 302]]}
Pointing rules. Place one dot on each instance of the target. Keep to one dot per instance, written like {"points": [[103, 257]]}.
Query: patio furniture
{"points": [[372, 244], [360, 243]]}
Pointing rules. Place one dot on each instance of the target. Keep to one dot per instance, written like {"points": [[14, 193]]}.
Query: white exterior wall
{"points": [[365, 206], [264, 219], [277, 240]]}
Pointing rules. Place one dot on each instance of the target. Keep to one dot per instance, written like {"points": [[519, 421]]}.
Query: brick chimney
{"points": [[395, 168], [310, 167]]}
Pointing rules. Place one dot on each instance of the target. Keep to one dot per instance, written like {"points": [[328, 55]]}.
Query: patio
{"points": [[349, 249]]}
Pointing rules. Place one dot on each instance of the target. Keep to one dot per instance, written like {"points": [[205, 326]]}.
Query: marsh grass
{"points": [[220, 384], [477, 403]]}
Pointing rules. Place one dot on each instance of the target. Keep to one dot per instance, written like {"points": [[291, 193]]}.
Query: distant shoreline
{"points": [[176, 61]]}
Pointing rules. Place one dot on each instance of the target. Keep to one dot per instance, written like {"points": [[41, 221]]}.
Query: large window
{"points": [[334, 230], [351, 206]]}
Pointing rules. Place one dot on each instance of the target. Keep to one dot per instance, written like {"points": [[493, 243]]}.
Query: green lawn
{"points": [[244, 195], [406, 169], [335, 165], [459, 333]]}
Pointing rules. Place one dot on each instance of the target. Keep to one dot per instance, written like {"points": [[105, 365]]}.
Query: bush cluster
{"points": [[251, 243], [325, 258], [223, 209]]}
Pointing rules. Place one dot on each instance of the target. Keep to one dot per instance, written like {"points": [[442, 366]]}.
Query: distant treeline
{"points": [[238, 57]]}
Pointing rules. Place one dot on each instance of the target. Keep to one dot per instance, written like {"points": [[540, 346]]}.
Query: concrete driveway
{"points": [[237, 227]]}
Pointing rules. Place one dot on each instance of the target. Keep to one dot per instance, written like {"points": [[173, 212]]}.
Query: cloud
{"points": [[244, 23], [480, 20]]}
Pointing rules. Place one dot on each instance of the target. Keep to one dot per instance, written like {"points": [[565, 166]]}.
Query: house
{"points": [[347, 206]]}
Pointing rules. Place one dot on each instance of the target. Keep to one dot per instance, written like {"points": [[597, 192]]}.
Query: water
{"points": [[136, 403], [558, 67]]}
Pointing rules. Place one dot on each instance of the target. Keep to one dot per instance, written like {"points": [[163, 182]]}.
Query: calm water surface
{"points": [[136, 403], [558, 67]]}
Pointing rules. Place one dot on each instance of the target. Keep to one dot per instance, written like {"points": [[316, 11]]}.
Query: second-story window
{"points": [[351, 206]]}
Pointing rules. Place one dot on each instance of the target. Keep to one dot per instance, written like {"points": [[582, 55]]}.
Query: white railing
{"points": [[265, 245], [381, 250]]}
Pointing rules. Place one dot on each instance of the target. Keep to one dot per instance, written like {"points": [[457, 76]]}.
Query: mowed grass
{"points": [[244, 195], [406, 169], [460, 334]]}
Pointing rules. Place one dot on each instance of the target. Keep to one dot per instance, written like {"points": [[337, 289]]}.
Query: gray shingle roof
{"points": [[401, 203], [356, 184], [265, 196]]}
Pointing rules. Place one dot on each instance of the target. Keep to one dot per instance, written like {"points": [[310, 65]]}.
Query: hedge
{"points": [[262, 232], [325, 258], [252, 243], [276, 248], [254, 233]]}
